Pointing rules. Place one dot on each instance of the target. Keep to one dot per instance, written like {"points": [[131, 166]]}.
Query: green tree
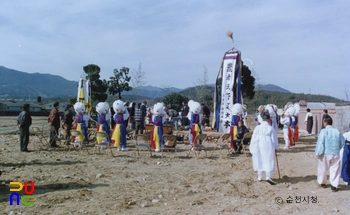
{"points": [[175, 99], [98, 87], [119, 82], [248, 83], [72, 100]]}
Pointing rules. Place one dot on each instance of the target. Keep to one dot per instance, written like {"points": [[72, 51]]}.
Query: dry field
{"points": [[81, 183]]}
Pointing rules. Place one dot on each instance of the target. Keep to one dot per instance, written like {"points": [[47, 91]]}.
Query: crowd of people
{"points": [[332, 147], [138, 115]]}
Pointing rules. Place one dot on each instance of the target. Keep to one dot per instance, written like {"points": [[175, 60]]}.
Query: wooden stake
{"points": [[278, 169]]}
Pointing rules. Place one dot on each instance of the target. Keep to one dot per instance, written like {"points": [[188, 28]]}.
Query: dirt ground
{"points": [[81, 183]]}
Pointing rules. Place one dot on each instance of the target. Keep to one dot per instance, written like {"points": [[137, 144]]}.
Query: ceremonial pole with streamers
{"points": [[228, 88], [84, 94]]}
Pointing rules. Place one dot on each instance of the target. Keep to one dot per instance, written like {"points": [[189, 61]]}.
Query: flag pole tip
{"points": [[229, 34]]}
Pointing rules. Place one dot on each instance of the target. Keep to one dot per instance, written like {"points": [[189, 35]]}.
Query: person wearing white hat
{"points": [[236, 111], [294, 125], [287, 130], [263, 146]]}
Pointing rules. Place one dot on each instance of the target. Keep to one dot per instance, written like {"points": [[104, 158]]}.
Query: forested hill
{"points": [[263, 97], [15, 83], [280, 99], [271, 87]]}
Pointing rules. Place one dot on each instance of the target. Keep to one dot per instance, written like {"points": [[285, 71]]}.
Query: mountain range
{"points": [[18, 84], [271, 87], [14, 83], [152, 91]]}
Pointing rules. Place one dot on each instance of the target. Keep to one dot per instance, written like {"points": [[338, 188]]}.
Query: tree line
{"points": [[120, 81], [201, 92]]}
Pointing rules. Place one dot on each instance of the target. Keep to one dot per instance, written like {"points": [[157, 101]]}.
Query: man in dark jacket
{"points": [[242, 130], [184, 112], [139, 120], [112, 117], [206, 115], [144, 111], [325, 115], [54, 120], [68, 120], [24, 121]]}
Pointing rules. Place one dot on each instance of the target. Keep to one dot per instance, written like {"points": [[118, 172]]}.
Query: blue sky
{"points": [[302, 46]]}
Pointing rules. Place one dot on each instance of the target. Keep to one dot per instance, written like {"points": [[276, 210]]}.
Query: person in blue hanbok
{"points": [[345, 172], [80, 123], [156, 137], [103, 116], [119, 131], [235, 118]]}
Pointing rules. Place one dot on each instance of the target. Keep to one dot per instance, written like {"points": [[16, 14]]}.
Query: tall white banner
{"points": [[229, 65]]}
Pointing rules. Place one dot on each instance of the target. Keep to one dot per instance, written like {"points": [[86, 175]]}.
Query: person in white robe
{"points": [[256, 115], [262, 146], [273, 121], [329, 143], [286, 122]]}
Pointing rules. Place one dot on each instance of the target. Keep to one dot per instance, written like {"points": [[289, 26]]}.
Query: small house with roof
{"points": [[48, 106], [14, 107], [339, 113]]}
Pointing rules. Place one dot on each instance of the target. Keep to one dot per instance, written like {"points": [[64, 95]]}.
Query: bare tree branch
{"points": [[166, 88], [346, 94], [138, 77]]}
